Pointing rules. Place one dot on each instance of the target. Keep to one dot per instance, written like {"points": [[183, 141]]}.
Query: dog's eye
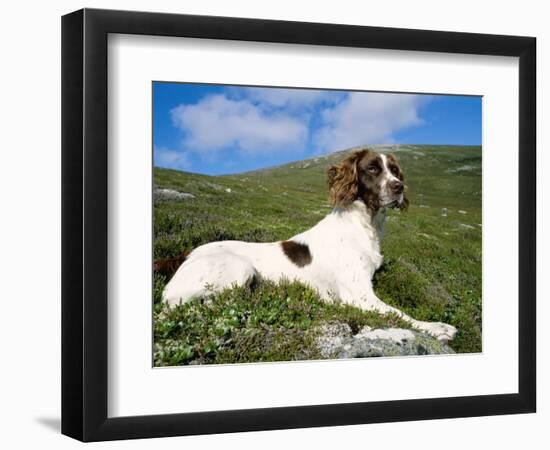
{"points": [[394, 171], [372, 169]]}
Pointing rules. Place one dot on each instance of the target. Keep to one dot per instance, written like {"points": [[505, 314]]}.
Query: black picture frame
{"points": [[84, 224]]}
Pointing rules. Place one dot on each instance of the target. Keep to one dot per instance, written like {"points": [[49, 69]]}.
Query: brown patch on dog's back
{"points": [[298, 253]]}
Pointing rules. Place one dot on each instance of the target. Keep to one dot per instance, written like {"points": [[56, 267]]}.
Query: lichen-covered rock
{"points": [[335, 340], [332, 337]]}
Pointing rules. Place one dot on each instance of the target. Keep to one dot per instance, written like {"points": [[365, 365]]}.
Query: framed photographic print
{"points": [[273, 224]]}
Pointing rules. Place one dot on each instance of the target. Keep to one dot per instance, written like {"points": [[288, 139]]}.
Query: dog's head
{"points": [[375, 178]]}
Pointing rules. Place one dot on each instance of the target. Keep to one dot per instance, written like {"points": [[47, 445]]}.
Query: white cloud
{"points": [[292, 99], [266, 120], [366, 118], [171, 159], [217, 122]]}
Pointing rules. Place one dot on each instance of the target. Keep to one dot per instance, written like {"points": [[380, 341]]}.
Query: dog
{"points": [[337, 257]]}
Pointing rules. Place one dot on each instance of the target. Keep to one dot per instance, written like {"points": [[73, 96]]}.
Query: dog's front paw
{"points": [[442, 331]]}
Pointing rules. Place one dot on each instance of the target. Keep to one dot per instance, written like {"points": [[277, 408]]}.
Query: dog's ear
{"points": [[404, 205], [343, 181]]}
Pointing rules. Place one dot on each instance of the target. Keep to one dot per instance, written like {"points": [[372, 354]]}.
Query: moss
{"points": [[431, 346]]}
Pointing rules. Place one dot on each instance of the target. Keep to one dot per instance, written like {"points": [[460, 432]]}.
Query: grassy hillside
{"points": [[432, 253]]}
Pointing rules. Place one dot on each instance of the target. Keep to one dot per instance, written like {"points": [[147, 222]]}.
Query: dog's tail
{"points": [[168, 266]]}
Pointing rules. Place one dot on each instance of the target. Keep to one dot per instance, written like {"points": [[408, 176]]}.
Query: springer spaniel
{"points": [[337, 257]]}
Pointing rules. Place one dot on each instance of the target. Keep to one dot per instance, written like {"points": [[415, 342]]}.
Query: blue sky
{"points": [[217, 130]]}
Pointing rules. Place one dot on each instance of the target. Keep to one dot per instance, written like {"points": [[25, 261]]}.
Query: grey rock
{"points": [[170, 194], [336, 340]]}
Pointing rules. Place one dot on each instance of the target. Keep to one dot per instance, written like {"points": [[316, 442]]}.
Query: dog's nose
{"points": [[396, 186]]}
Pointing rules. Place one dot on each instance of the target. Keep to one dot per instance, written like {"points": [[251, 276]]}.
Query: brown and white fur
{"points": [[337, 257]]}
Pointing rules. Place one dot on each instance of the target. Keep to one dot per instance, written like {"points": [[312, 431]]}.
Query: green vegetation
{"points": [[431, 270], [262, 321]]}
